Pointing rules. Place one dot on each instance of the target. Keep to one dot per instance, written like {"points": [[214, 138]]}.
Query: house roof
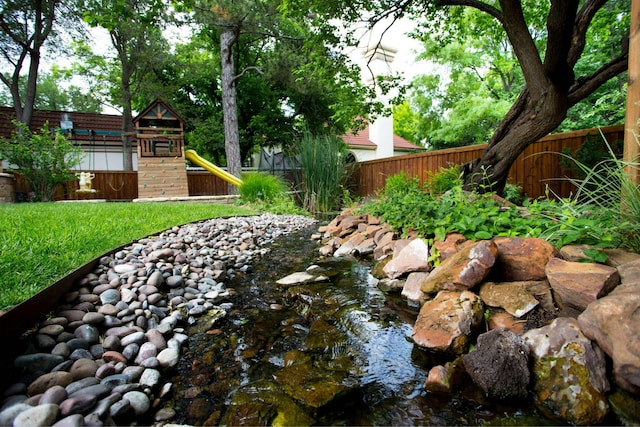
{"points": [[105, 127], [361, 140]]}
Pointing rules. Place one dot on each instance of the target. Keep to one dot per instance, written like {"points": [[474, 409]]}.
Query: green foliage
{"points": [[44, 159], [43, 242], [262, 186], [443, 180], [513, 193], [405, 206], [324, 171]]}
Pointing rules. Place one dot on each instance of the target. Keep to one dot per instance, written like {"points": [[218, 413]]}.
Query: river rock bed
{"points": [[103, 356]]}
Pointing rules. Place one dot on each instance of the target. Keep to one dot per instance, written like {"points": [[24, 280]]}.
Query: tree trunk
{"points": [[229, 106], [527, 121]]}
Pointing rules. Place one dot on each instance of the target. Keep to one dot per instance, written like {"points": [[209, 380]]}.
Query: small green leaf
{"points": [[483, 235]]}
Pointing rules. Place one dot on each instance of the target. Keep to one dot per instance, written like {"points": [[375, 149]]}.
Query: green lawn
{"points": [[43, 242]]}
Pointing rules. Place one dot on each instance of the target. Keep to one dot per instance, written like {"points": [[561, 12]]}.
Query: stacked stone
{"points": [[101, 359], [541, 304]]}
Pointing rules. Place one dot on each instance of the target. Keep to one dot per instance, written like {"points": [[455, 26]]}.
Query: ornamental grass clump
{"points": [[325, 170], [262, 186], [609, 191]]}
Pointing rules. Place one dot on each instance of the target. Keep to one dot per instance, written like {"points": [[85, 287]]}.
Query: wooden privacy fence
{"points": [[119, 185], [536, 168]]}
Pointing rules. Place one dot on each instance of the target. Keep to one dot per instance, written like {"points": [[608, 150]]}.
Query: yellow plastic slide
{"points": [[194, 158]]}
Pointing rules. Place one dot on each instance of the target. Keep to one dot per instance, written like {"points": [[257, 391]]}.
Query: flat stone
{"points": [[513, 297], [578, 284]]}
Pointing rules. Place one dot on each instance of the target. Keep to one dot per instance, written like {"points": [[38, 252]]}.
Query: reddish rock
{"points": [[371, 230], [451, 245], [619, 257], [366, 247], [629, 272], [511, 296], [500, 319], [522, 259], [383, 236], [578, 284], [351, 221], [575, 253], [445, 379], [446, 323], [83, 368], [114, 356], [412, 257], [412, 290], [373, 220], [349, 244], [613, 322], [463, 270]]}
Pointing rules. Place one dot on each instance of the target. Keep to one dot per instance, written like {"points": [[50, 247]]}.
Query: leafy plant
{"points": [[44, 159], [404, 205], [443, 180], [513, 193]]}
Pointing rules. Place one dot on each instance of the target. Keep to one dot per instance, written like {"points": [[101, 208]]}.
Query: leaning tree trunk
{"points": [[528, 120], [229, 107]]}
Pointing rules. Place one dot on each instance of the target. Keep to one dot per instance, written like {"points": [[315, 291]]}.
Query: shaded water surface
{"points": [[330, 353]]}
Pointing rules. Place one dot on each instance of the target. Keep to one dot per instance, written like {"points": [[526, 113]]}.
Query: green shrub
{"points": [[44, 159], [443, 180], [261, 186], [325, 171], [513, 193]]}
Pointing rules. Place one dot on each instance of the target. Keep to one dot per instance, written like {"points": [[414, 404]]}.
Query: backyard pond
{"points": [[336, 352]]}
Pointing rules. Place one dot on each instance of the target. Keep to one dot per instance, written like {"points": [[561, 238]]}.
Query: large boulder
{"points": [[463, 270], [446, 323], [413, 257], [521, 259], [499, 364], [578, 284], [613, 322], [569, 373]]}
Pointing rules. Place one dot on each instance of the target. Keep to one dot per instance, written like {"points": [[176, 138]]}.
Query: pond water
{"points": [[330, 353]]}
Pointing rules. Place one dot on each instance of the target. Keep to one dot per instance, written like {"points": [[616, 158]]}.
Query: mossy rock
{"points": [[263, 403]]}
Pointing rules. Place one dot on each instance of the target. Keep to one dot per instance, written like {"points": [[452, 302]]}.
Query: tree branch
{"points": [[481, 6], [582, 22], [524, 47], [584, 86], [252, 68]]}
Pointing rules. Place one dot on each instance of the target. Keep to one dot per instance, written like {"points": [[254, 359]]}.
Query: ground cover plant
{"points": [[43, 242], [406, 205]]}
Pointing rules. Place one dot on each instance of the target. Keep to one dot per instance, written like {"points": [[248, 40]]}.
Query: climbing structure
{"points": [[161, 164]]}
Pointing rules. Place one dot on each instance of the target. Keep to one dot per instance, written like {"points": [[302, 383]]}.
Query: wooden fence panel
{"points": [[202, 183], [537, 168]]}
